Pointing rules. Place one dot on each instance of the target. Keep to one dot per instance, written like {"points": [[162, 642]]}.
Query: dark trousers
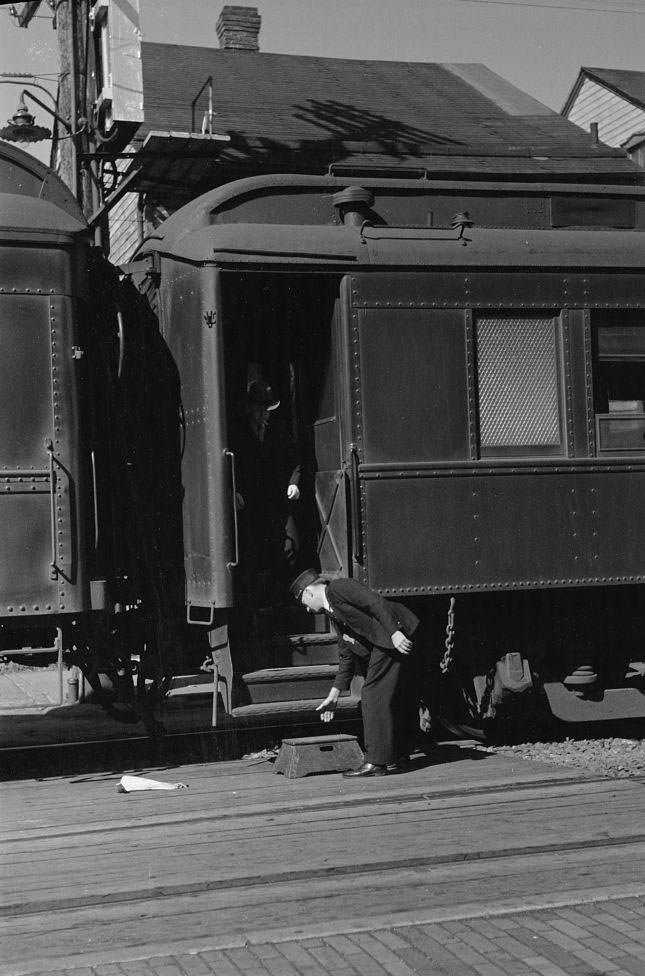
{"points": [[379, 705]]}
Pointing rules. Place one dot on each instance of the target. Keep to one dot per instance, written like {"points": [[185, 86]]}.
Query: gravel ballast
{"points": [[615, 757]]}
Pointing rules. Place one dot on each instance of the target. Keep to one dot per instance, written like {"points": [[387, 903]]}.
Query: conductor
{"points": [[375, 634]]}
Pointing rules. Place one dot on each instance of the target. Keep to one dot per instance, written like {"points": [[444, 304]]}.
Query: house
{"points": [[217, 114], [611, 103]]}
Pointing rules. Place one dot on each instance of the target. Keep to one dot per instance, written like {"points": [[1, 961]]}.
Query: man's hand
{"points": [[293, 493], [239, 501], [328, 706], [402, 643]]}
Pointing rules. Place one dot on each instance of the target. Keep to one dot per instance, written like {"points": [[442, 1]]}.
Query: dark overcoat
{"points": [[363, 620]]}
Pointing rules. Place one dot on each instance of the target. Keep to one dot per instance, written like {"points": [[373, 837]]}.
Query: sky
{"points": [[538, 45]]}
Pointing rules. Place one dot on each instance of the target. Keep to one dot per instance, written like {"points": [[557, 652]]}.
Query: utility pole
{"points": [[102, 53], [70, 151], [70, 146]]}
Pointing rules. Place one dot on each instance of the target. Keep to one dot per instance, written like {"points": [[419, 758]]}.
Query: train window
{"points": [[619, 381], [518, 378], [414, 385]]}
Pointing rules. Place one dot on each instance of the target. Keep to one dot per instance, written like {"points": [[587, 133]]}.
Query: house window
{"points": [[518, 379], [619, 381]]}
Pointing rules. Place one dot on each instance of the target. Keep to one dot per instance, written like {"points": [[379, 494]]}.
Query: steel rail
{"points": [[159, 892], [354, 802]]}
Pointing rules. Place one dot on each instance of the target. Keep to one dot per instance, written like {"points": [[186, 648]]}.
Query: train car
{"points": [[463, 366], [46, 486], [467, 394], [80, 581]]}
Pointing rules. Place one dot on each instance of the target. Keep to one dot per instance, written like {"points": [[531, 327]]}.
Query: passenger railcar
{"points": [[470, 394], [46, 482], [80, 577], [469, 401]]}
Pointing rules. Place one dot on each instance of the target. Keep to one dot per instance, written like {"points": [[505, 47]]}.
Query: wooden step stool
{"points": [[318, 754]]}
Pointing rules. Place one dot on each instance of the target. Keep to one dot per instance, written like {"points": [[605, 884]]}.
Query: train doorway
{"points": [[282, 334]]}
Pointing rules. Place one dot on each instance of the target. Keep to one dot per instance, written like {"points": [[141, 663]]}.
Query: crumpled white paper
{"points": [[130, 784]]}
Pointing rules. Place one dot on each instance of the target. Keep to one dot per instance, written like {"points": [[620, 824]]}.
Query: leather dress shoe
{"points": [[367, 769]]}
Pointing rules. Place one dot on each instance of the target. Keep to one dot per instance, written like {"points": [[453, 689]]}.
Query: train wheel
{"points": [[456, 711], [108, 695]]}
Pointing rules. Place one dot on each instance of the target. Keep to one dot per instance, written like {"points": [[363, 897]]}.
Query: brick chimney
{"points": [[238, 28]]}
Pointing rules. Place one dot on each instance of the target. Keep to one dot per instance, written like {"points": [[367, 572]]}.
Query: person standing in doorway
{"points": [[268, 477], [374, 634]]}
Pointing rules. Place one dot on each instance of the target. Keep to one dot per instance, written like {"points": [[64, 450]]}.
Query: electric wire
{"points": [[560, 6]]}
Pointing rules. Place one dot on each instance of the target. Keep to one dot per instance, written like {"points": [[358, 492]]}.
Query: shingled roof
{"points": [[304, 113]]}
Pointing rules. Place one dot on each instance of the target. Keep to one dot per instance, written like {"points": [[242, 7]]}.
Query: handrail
{"points": [[182, 431], [357, 536], [121, 331], [96, 501], [53, 568], [234, 482]]}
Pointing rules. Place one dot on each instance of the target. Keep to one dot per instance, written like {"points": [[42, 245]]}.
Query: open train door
{"points": [[193, 331]]}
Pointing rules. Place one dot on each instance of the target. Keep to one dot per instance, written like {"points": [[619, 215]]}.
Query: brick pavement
{"points": [[602, 938]]}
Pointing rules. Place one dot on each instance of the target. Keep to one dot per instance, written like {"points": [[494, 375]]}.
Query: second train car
{"points": [[469, 394]]}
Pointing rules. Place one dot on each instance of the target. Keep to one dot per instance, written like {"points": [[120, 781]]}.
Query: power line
{"points": [[558, 6]]}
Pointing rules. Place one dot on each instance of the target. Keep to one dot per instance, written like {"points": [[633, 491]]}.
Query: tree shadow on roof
{"points": [[348, 123]]}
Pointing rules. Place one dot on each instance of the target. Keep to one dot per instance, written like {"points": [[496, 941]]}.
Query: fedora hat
{"points": [[262, 395], [302, 581]]}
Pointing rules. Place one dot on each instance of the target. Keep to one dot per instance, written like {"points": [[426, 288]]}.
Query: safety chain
{"points": [[449, 643]]}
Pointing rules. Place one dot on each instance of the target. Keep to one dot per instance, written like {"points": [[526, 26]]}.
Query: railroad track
{"points": [[244, 852]]}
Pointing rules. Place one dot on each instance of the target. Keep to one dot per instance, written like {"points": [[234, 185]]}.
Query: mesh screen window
{"points": [[518, 385]]}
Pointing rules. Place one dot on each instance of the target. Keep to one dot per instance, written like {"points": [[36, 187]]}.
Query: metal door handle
{"points": [[53, 568], [234, 483], [357, 535]]}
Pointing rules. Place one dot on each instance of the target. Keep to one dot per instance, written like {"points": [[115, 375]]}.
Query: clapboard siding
{"points": [[125, 235], [125, 232], [617, 118]]}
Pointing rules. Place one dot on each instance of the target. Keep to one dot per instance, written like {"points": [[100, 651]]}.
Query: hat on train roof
{"points": [[302, 581], [262, 395]]}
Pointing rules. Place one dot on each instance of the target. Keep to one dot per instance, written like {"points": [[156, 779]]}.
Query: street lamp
{"points": [[21, 127]]}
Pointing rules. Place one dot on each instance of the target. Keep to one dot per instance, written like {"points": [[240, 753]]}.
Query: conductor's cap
{"points": [[262, 395], [301, 582]]}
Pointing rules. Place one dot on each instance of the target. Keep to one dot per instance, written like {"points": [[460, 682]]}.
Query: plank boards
{"points": [[84, 868]]}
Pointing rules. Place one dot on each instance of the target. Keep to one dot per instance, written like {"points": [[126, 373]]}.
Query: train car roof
{"points": [[24, 218], [234, 201], [23, 175], [278, 244]]}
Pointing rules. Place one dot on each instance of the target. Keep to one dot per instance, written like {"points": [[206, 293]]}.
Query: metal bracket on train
{"points": [[207, 621], [509, 678], [149, 265]]}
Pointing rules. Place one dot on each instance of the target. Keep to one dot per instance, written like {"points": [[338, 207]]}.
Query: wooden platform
{"points": [[90, 875]]}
